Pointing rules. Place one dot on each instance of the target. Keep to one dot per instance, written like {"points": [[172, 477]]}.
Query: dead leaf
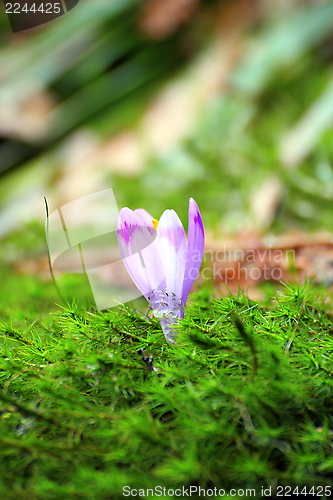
{"points": [[160, 18]]}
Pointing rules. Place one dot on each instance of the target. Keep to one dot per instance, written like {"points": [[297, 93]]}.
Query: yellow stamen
{"points": [[155, 223]]}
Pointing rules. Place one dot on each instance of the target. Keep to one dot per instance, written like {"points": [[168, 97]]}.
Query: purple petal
{"points": [[139, 252], [196, 244], [147, 220], [172, 247]]}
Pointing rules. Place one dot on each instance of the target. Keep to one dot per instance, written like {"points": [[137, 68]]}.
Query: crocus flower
{"points": [[162, 264]]}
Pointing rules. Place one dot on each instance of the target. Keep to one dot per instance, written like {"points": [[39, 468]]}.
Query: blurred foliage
{"points": [[273, 117], [94, 62], [238, 141]]}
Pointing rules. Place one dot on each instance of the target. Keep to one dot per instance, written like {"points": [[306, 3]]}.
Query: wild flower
{"points": [[162, 264]]}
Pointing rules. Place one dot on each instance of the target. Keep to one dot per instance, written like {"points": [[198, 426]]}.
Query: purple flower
{"points": [[162, 264]]}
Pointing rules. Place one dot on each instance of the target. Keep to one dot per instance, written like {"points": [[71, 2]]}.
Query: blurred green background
{"points": [[230, 102]]}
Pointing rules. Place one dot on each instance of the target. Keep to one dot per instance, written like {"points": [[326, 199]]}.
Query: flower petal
{"points": [[147, 220], [196, 244], [172, 247], [139, 252]]}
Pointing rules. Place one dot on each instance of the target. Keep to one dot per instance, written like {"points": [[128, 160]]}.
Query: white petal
{"points": [[172, 247]]}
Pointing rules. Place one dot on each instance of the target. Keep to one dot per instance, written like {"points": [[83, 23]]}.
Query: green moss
{"points": [[243, 401]]}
